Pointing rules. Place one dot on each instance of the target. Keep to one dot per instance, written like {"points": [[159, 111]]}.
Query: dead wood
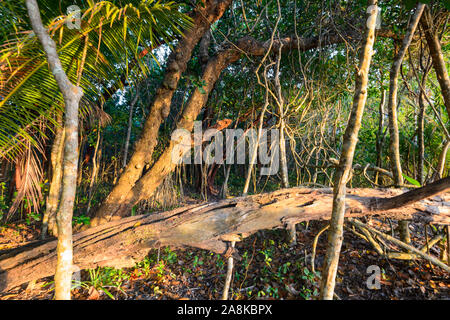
{"points": [[210, 226]]}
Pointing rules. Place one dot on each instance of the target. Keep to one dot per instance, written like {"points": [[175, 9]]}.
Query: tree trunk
{"points": [[335, 234], [224, 190], [165, 164], [380, 135], [442, 161], [204, 15], [394, 145], [210, 226], [130, 125], [95, 166], [421, 120], [72, 96], [420, 139], [49, 219], [282, 112], [437, 56], [117, 200]]}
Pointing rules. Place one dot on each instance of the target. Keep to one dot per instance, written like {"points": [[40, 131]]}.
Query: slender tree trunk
{"points": [[254, 152], [224, 191], [282, 112], [335, 234], [204, 15], [130, 125], [442, 161], [81, 153], [380, 135], [49, 219], [436, 56], [394, 144], [95, 166], [421, 119], [229, 275], [420, 139], [283, 156], [72, 96]]}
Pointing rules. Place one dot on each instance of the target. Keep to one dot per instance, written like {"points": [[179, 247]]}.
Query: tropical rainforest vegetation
{"points": [[91, 99]]}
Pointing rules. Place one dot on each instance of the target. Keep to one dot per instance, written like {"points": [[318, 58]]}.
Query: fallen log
{"points": [[212, 226]]}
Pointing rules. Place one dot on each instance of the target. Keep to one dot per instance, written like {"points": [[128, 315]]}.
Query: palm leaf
{"points": [[29, 95], [28, 90]]}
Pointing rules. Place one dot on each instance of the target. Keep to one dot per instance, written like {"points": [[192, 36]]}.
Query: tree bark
{"points": [[72, 95], [204, 15], [421, 120], [335, 234], [211, 226]]}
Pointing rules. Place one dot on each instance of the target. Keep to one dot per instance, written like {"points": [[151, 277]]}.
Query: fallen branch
{"points": [[209, 226], [402, 244]]}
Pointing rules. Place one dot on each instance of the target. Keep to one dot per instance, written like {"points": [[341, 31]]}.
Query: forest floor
{"points": [[269, 269]]}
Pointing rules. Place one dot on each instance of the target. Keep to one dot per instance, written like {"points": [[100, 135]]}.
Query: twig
{"points": [[316, 239], [402, 244]]}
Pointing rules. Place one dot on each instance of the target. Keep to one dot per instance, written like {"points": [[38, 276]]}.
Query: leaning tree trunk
{"points": [[147, 184], [117, 200], [72, 96], [204, 15], [165, 164], [437, 57], [335, 234], [212, 226]]}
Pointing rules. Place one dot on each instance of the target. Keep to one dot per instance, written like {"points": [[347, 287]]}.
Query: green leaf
{"points": [[411, 180], [108, 293]]}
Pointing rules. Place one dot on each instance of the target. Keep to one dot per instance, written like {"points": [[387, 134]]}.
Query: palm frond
{"points": [[29, 96], [28, 91]]}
